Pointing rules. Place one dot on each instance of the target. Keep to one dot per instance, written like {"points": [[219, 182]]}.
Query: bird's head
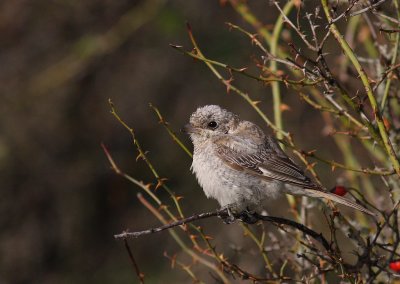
{"points": [[210, 121]]}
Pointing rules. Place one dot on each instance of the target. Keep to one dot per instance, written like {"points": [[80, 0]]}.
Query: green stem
{"points": [[378, 117], [233, 88], [276, 94], [260, 78], [252, 20], [142, 155], [171, 132], [394, 58], [260, 245]]}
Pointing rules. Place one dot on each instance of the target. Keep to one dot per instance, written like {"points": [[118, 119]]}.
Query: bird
{"points": [[240, 166]]}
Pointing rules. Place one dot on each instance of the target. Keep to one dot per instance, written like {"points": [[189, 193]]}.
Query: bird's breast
{"points": [[206, 166], [221, 182]]}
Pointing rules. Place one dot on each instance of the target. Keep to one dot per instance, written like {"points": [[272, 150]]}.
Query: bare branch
{"points": [[223, 213], [139, 274]]}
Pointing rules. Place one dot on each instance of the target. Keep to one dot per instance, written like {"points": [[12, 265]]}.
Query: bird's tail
{"points": [[338, 199]]}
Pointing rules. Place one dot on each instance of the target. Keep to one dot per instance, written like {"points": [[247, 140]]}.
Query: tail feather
{"points": [[338, 199]]}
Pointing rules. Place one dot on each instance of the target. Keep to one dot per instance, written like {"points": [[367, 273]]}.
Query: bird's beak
{"points": [[188, 128]]}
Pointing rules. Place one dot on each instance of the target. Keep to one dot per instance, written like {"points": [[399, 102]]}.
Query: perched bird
{"points": [[239, 166]]}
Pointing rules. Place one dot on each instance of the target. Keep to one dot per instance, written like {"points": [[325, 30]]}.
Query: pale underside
{"points": [[244, 177]]}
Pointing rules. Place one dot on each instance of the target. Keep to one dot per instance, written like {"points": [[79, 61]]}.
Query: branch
{"points": [[297, 30], [224, 213], [139, 274], [127, 234], [347, 12], [368, 8], [374, 105]]}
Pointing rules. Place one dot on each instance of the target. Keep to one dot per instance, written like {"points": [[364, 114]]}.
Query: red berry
{"points": [[395, 265], [339, 190]]}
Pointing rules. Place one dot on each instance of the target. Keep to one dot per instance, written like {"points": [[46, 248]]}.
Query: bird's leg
{"points": [[248, 216], [230, 218]]}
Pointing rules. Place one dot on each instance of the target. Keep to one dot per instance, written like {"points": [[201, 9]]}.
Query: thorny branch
{"points": [[353, 3], [362, 118]]}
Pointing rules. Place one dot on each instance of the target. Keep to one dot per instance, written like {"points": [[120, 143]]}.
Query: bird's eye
{"points": [[212, 125]]}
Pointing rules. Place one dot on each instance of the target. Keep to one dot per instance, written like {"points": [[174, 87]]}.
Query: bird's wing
{"points": [[271, 163], [268, 162]]}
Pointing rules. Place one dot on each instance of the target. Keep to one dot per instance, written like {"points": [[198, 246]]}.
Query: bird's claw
{"points": [[248, 217], [230, 218]]}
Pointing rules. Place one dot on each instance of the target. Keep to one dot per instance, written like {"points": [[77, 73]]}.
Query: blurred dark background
{"points": [[60, 62]]}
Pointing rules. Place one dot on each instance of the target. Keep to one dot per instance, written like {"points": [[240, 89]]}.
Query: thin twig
{"points": [[289, 22], [170, 131], [229, 86], [369, 7], [377, 113], [127, 234], [347, 12], [139, 274]]}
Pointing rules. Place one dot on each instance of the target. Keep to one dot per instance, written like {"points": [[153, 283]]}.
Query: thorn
{"points": [[207, 251], [228, 84], [253, 38], [173, 260], [160, 182], [194, 51], [148, 186], [386, 122], [162, 207], [286, 83], [311, 153], [140, 156], [230, 25], [311, 166]]}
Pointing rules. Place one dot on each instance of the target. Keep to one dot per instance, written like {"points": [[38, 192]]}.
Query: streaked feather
{"points": [[271, 163], [268, 163]]}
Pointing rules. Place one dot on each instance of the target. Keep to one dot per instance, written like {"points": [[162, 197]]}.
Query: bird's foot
{"points": [[230, 218], [249, 217]]}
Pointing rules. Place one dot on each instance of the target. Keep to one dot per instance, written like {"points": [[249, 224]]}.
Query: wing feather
{"points": [[268, 163], [271, 163]]}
